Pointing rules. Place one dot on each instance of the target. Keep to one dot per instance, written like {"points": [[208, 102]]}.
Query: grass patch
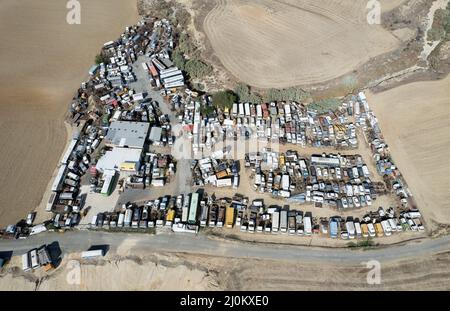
{"points": [[361, 244], [325, 105]]}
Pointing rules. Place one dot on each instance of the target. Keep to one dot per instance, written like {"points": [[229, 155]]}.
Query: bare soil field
{"points": [[114, 273], [43, 60], [284, 43], [181, 271], [414, 119]]}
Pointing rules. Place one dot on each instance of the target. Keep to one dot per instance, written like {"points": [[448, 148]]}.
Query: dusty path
{"points": [[204, 245]]}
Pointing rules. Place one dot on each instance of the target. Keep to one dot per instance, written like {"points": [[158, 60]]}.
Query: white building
{"points": [[121, 160]]}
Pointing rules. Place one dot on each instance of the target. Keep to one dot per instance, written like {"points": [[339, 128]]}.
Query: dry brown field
{"points": [[284, 43], [43, 60]]}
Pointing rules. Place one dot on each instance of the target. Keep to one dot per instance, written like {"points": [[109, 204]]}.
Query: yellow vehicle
{"points": [[281, 162], [364, 230], [170, 215], [229, 218], [379, 229]]}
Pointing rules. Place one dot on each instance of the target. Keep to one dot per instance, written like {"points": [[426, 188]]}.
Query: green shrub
{"points": [[99, 58], [224, 99], [244, 94], [325, 105], [289, 94], [197, 69]]}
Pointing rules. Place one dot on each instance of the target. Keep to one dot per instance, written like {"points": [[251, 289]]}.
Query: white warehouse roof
{"points": [[127, 134], [114, 159]]}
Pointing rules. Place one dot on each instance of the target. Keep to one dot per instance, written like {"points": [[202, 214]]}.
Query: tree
{"points": [[224, 99], [178, 59], [244, 94], [183, 17], [197, 69], [185, 45], [99, 58]]}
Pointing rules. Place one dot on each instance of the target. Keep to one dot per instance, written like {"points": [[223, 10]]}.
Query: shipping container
{"points": [[26, 262], [230, 216], [92, 254], [193, 210], [275, 222], [307, 225], [283, 221]]}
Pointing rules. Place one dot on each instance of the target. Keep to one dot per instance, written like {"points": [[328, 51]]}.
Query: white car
{"points": [[344, 202], [371, 229], [30, 218], [368, 200], [356, 202]]}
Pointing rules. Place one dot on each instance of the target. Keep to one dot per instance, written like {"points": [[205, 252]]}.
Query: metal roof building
{"points": [[155, 135], [127, 134], [120, 159]]}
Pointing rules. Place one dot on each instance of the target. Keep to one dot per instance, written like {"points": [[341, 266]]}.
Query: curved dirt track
{"points": [[283, 43]]}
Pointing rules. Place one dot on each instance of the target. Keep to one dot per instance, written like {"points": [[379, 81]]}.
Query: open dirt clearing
{"points": [[415, 120], [283, 43], [112, 273], [181, 271], [43, 60]]}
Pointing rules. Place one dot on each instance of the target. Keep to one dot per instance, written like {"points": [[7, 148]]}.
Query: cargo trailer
{"points": [[193, 210], [92, 254], [275, 221], [307, 225]]}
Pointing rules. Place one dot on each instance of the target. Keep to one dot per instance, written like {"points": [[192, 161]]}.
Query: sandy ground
{"points": [[156, 272], [43, 60], [284, 43], [182, 271], [415, 119]]}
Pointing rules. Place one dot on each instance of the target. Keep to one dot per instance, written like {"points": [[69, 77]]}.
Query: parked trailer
{"points": [[128, 217], [307, 225], [175, 84], [172, 79], [158, 64], [350, 226], [241, 110], [292, 222], [386, 227], [247, 109], [193, 210], [168, 71], [164, 76], [235, 110], [364, 230], [73, 176], [379, 230], [185, 210], [67, 196], [230, 216], [358, 230], [121, 220], [371, 229], [275, 222], [221, 217], [51, 201], [34, 259], [204, 215], [283, 221], [333, 229], [92, 254], [26, 263]]}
